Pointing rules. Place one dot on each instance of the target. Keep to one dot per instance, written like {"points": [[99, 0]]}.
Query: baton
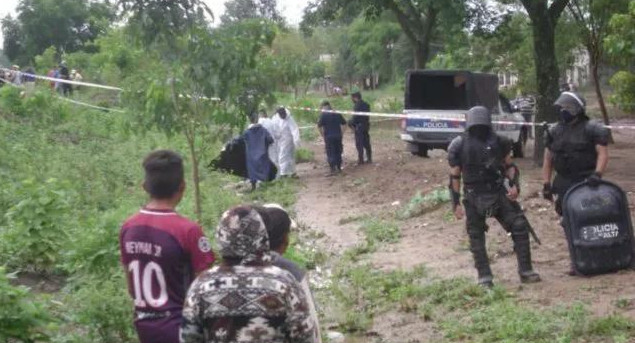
{"points": [[531, 229]]}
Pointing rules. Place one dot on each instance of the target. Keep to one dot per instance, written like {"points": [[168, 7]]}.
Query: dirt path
{"points": [[439, 242]]}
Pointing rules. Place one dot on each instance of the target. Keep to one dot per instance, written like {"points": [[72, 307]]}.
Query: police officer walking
{"points": [[361, 127], [576, 148], [483, 160]]}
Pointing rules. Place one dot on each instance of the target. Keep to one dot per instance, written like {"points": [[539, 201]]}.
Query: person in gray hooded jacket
{"points": [[483, 160]]}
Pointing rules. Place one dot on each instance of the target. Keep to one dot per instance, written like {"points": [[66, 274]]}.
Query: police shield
{"points": [[598, 226]]}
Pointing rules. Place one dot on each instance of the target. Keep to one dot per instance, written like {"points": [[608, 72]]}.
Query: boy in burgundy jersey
{"points": [[161, 251]]}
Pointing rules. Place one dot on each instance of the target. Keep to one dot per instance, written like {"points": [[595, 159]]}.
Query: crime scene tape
{"points": [[107, 109], [370, 114], [7, 82], [70, 82], [454, 119]]}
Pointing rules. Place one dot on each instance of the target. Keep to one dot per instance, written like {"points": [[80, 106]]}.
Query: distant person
{"points": [[576, 148], [271, 127], [77, 77], [162, 251], [288, 139], [278, 224], [246, 299], [16, 75], [331, 126], [257, 142], [65, 88], [361, 127], [52, 73]]}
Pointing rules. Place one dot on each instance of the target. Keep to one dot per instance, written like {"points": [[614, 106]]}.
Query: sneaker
{"points": [[529, 277]]}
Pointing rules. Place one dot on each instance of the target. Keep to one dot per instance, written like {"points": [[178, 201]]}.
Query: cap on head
{"points": [[572, 101], [478, 115]]}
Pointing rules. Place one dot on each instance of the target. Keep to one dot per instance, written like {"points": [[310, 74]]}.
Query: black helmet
{"points": [[572, 101], [478, 115]]}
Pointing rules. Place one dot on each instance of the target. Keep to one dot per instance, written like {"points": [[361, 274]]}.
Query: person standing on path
{"points": [[491, 186], [331, 126], [162, 251], [361, 127], [576, 148], [257, 142], [288, 140]]}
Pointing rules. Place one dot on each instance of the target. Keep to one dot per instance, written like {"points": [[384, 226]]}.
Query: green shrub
{"points": [[21, 319], [36, 226], [378, 231], [11, 100], [102, 307], [623, 83], [303, 155], [420, 204]]}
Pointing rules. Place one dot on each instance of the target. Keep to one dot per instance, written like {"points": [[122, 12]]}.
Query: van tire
{"points": [[422, 151], [519, 147]]}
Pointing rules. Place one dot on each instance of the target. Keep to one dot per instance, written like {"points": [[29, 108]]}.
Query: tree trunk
{"points": [[195, 176], [420, 54], [598, 92], [547, 75]]}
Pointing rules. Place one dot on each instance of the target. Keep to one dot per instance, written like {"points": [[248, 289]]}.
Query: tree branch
{"points": [[403, 20], [556, 8]]}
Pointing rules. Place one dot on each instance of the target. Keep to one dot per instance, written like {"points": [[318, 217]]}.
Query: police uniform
{"points": [[361, 126], [573, 147], [483, 170]]}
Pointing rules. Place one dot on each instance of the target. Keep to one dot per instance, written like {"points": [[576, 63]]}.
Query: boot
{"points": [[523, 255], [481, 260]]}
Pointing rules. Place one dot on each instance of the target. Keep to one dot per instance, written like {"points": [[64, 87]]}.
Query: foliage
{"points": [[621, 50], [303, 155], [623, 83], [378, 232], [103, 307], [36, 225], [68, 25], [420, 204], [21, 318], [238, 10]]}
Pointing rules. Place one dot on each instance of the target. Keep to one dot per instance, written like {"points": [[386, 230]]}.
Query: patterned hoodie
{"points": [[246, 299]]}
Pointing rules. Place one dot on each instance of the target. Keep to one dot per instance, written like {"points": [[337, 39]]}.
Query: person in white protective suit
{"points": [[270, 126], [287, 139]]}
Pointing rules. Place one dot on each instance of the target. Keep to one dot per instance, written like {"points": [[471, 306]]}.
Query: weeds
{"points": [[303, 155], [420, 204], [378, 231]]}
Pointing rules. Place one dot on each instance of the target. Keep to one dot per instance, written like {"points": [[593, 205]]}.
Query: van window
{"points": [[437, 92], [505, 104]]}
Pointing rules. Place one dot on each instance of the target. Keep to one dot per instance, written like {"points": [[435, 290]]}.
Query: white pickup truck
{"points": [[436, 102]]}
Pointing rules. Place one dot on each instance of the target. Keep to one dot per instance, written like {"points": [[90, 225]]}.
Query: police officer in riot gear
{"points": [[576, 148], [483, 160]]}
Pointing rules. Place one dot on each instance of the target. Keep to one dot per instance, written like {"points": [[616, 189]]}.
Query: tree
{"points": [[67, 25], [13, 43], [208, 78], [593, 17], [544, 18], [620, 45], [421, 21], [237, 10]]}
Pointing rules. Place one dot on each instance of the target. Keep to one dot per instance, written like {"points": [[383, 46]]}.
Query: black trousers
{"points": [[561, 186], [480, 206], [334, 149], [362, 142]]}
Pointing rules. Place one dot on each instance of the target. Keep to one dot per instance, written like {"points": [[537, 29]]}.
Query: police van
{"points": [[436, 102]]}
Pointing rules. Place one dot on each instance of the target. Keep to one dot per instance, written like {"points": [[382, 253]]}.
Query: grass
{"points": [[303, 155], [463, 311], [423, 203], [380, 232]]}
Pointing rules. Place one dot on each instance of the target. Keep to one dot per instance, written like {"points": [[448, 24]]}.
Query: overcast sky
{"points": [[291, 9]]}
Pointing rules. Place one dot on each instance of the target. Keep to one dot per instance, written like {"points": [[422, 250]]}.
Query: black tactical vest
{"points": [[482, 161], [574, 154]]}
